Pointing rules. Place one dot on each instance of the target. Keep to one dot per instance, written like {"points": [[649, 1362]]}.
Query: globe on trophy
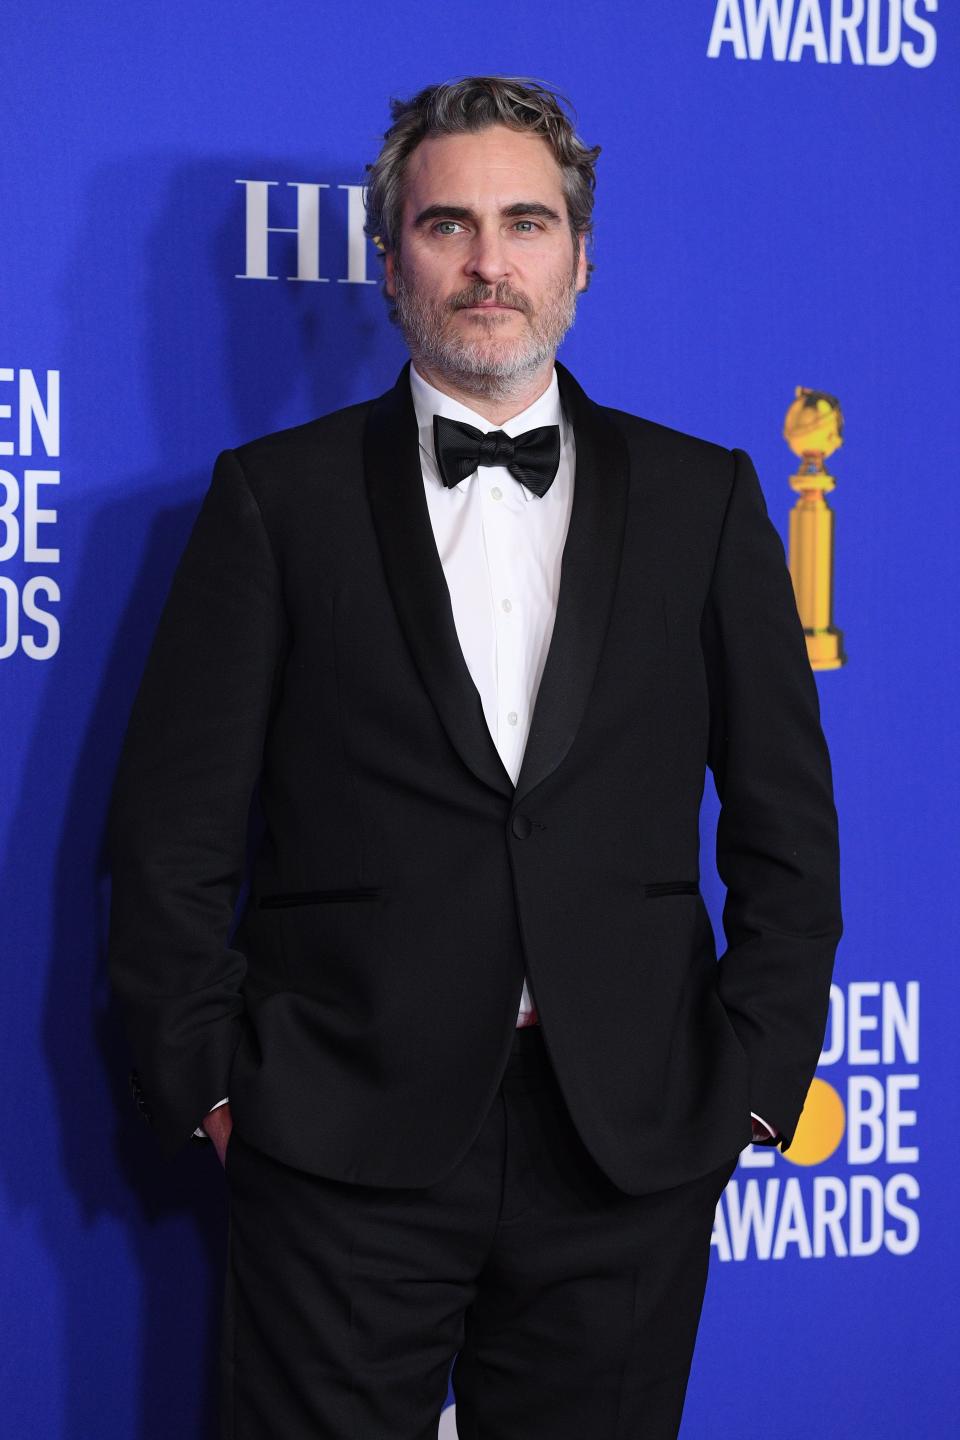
{"points": [[813, 429]]}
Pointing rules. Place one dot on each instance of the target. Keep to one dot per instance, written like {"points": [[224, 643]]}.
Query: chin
{"points": [[491, 344], [494, 355], [503, 366]]}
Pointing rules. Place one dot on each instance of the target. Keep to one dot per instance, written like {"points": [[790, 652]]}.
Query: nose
{"points": [[487, 257]]}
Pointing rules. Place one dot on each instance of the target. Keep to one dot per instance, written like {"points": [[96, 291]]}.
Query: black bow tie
{"points": [[532, 458]]}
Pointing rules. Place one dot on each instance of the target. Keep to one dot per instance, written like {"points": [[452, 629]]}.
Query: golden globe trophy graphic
{"points": [[814, 429]]}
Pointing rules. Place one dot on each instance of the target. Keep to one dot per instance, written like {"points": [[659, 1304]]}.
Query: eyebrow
{"points": [[520, 208]]}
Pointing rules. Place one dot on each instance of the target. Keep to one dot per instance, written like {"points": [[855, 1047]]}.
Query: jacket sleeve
{"points": [[180, 805], [777, 834]]}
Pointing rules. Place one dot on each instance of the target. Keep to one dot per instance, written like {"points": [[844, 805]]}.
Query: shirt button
{"points": [[496, 493], [506, 605], [512, 718]]}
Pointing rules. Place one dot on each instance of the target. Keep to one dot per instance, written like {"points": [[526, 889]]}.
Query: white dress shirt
{"points": [[500, 547]]}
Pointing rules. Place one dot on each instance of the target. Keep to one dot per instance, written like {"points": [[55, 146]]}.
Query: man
{"points": [[481, 1078]]}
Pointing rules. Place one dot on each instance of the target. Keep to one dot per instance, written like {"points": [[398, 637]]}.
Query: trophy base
{"points": [[825, 649]]}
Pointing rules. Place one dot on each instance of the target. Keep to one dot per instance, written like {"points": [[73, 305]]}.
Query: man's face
{"points": [[487, 275]]}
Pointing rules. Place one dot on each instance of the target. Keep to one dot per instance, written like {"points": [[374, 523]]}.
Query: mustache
{"points": [[480, 294]]}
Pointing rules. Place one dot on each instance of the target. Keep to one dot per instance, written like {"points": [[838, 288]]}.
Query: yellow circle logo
{"points": [[821, 1126]]}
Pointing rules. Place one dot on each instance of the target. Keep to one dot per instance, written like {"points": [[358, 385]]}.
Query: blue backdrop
{"points": [[776, 203]]}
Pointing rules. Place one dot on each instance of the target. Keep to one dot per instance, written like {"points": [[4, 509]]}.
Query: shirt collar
{"points": [[429, 401]]}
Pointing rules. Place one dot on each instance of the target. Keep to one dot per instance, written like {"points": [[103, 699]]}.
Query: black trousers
{"points": [[570, 1308]]}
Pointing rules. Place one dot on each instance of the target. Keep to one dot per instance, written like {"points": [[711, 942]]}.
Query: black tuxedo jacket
{"points": [[360, 1010]]}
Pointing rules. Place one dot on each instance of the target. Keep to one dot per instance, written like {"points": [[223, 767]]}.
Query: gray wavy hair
{"points": [[456, 107]]}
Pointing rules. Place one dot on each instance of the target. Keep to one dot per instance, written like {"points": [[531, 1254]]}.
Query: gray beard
{"points": [[469, 363]]}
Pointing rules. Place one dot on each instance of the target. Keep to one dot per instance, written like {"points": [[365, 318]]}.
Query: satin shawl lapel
{"points": [[590, 564], [588, 578], [417, 582]]}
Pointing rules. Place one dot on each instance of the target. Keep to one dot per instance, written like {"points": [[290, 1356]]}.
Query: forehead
{"points": [[488, 168]]}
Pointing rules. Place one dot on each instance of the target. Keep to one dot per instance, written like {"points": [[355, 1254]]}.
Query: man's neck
{"points": [[497, 408]]}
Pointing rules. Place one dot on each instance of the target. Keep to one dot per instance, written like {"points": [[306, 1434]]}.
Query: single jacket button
{"points": [[521, 826]]}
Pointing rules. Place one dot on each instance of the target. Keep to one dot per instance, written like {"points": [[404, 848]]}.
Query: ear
{"points": [[389, 275], [582, 263]]}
